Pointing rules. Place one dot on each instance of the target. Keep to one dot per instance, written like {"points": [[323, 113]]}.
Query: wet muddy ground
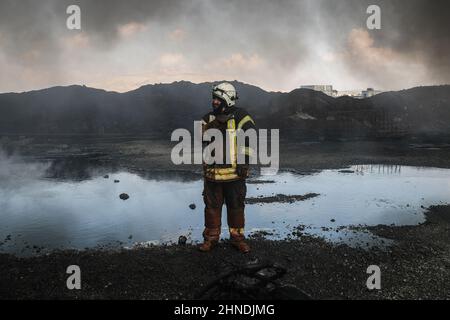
{"points": [[416, 266], [280, 198]]}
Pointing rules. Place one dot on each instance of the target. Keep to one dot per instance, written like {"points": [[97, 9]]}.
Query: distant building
{"points": [[350, 93], [327, 89], [370, 92], [357, 94]]}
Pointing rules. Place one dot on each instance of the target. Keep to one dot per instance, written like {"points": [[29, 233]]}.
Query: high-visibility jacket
{"points": [[236, 118]]}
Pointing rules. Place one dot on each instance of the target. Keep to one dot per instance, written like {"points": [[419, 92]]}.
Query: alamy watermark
{"points": [[255, 142], [374, 20], [374, 280], [74, 280], [73, 22]]}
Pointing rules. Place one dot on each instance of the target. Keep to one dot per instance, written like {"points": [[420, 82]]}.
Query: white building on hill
{"points": [[328, 90]]}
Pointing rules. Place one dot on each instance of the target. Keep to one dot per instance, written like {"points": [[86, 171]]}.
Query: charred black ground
{"points": [[417, 266]]}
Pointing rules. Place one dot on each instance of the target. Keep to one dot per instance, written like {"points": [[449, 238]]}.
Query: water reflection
{"points": [[380, 169], [42, 212]]}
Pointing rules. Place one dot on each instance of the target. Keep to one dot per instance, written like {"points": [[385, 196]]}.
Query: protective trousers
{"points": [[215, 194]]}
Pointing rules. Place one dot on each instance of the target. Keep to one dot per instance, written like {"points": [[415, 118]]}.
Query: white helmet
{"points": [[226, 92]]}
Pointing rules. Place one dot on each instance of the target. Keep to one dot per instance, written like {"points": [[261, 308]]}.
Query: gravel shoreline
{"points": [[417, 266]]}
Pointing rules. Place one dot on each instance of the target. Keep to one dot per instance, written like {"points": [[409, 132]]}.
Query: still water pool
{"points": [[59, 214]]}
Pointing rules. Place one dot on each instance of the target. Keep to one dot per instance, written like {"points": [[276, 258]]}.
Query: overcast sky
{"points": [[277, 45]]}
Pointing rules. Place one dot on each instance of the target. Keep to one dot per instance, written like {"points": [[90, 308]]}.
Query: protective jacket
{"points": [[228, 124]]}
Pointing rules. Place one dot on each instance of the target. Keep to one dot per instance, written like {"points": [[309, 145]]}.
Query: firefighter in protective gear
{"points": [[225, 182]]}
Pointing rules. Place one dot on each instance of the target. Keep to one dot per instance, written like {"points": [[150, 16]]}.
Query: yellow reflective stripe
{"points": [[221, 171], [221, 174], [231, 124], [225, 177], [236, 231], [247, 151], [244, 120]]}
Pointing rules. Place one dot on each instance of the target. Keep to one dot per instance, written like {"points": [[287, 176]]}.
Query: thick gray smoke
{"points": [[274, 44], [14, 171]]}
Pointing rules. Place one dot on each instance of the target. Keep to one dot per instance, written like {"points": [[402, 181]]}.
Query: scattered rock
{"points": [[116, 181], [182, 240], [333, 220], [192, 206], [260, 234], [130, 236], [252, 281], [124, 196], [106, 176]]}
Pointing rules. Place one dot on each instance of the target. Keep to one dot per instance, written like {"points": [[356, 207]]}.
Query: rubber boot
{"points": [[238, 240], [211, 234], [210, 239], [236, 223]]}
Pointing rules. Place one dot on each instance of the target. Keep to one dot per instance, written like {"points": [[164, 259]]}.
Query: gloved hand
{"points": [[216, 124], [242, 170]]}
